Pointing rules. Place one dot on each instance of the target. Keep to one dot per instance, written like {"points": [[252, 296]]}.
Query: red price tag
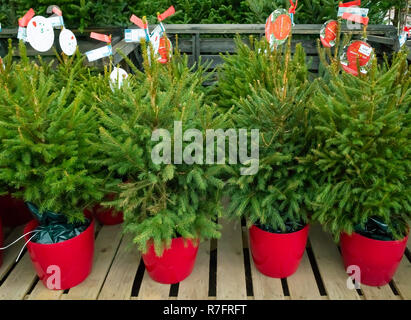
{"points": [[100, 37], [24, 21], [350, 4], [169, 12], [138, 22], [57, 11]]}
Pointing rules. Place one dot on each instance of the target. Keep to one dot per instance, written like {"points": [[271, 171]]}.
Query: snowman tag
{"points": [[117, 77], [68, 42], [40, 34]]}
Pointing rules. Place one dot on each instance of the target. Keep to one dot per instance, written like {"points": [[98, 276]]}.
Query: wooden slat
{"points": [[402, 278], [378, 293], [330, 265], [151, 290], [302, 284], [196, 286], [230, 263], [19, 282], [222, 29], [125, 47], [40, 292], [264, 288], [10, 254], [119, 281], [106, 245]]}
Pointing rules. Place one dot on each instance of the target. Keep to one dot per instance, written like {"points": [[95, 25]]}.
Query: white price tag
{"points": [[56, 21], [353, 10], [365, 50], [134, 35], [99, 53], [22, 34]]}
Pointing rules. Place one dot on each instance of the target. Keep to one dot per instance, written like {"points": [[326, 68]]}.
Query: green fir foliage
{"points": [[159, 201], [46, 134], [277, 196], [363, 141]]}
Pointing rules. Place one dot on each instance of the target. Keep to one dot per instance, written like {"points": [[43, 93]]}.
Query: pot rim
{"points": [[31, 243], [382, 241], [282, 234]]}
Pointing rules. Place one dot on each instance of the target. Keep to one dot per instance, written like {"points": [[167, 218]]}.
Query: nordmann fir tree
{"points": [[166, 200], [46, 136], [362, 153], [276, 198]]}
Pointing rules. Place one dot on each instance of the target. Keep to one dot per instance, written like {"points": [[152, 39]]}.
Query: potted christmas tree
{"points": [[273, 200], [46, 156], [169, 205], [362, 161]]}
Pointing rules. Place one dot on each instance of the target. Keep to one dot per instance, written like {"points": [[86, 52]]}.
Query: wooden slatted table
{"points": [[223, 270]]}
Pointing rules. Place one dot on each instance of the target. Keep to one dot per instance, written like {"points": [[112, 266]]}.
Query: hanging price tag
{"points": [[99, 53], [23, 22], [134, 35], [278, 27], [169, 12], [22, 34], [56, 21], [328, 33], [356, 51]]}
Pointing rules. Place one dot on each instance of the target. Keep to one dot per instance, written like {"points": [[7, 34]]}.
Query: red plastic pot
{"points": [[107, 216], [71, 260], [14, 212], [1, 242], [277, 255], [378, 260], [175, 264]]}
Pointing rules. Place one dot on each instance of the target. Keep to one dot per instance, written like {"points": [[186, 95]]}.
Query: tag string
{"points": [[292, 9], [18, 239]]}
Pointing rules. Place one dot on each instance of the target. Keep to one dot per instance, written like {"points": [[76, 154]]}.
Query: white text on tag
{"points": [[134, 35]]}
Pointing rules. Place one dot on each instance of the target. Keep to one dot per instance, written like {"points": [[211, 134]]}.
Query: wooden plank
{"points": [[20, 280], [379, 39], [402, 278], [40, 292], [221, 29], [302, 284], [330, 265], [230, 263], [10, 254], [151, 290], [196, 286], [106, 245], [125, 47], [119, 281], [378, 293]]}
